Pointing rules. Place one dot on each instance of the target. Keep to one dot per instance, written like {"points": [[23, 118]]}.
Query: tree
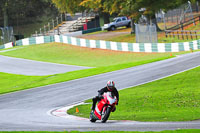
{"points": [[98, 7], [128, 8], [70, 6], [21, 9]]}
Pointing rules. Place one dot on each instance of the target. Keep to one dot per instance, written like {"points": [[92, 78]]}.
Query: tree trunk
{"points": [[106, 17], [154, 21], [132, 25], [5, 17]]}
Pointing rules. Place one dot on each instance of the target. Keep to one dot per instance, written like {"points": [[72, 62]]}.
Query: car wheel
{"points": [[112, 28], [129, 25]]}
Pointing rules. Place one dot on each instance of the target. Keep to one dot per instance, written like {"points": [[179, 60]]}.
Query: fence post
{"points": [[61, 18], [58, 30], [178, 34], [44, 30], [40, 31], [191, 35], [65, 16], [195, 34], [182, 35], [181, 26], [49, 26], [57, 20], [166, 34], [186, 35]]}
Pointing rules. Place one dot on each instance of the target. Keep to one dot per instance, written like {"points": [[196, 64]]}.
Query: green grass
{"points": [[175, 98], [162, 39], [130, 38], [96, 32], [103, 60], [167, 131], [12, 82], [73, 55], [195, 27]]}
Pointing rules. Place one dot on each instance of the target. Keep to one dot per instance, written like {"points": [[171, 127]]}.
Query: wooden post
{"points": [[191, 35], [195, 34], [186, 35], [178, 34], [166, 34], [182, 35], [181, 26]]}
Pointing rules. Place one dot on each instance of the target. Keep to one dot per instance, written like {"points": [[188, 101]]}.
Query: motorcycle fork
{"points": [[104, 109]]}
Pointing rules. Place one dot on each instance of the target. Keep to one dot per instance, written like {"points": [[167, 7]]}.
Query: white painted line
{"points": [[62, 112]]}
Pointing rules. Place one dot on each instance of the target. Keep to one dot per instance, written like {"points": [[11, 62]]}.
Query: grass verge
{"points": [[175, 98], [75, 55], [130, 38], [12, 82], [103, 60]]}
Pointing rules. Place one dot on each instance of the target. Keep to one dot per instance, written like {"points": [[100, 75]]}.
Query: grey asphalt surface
{"points": [[30, 67], [27, 110]]}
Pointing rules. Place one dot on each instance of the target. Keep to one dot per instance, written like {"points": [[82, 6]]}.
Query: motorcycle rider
{"points": [[109, 87]]}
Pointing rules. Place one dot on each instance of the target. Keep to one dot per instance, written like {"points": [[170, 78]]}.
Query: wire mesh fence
{"points": [[146, 33], [177, 16], [6, 35], [183, 34]]}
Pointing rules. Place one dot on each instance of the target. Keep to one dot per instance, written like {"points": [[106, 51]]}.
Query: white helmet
{"points": [[110, 85]]}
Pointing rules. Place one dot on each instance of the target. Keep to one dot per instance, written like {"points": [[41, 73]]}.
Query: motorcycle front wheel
{"points": [[106, 114]]}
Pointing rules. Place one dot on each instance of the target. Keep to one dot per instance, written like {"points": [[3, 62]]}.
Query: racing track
{"points": [[30, 67], [27, 110]]}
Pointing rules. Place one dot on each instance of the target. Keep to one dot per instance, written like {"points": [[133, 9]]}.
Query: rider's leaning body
{"points": [[110, 87]]}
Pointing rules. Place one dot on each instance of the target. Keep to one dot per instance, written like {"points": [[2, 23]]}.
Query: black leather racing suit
{"points": [[100, 93]]}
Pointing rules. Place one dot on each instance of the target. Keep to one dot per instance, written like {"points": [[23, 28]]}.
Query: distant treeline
{"points": [[20, 12]]}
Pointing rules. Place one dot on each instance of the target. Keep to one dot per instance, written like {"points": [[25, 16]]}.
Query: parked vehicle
{"points": [[104, 107], [118, 22]]}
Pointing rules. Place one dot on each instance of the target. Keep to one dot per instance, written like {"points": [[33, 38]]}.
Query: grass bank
{"points": [[12, 82], [175, 98], [103, 61], [130, 38], [74, 55]]}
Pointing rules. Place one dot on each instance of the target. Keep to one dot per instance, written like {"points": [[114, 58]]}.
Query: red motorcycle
{"points": [[104, 107]]}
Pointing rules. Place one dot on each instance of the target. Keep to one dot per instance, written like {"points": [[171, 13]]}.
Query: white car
{"points": [[117, 22]]}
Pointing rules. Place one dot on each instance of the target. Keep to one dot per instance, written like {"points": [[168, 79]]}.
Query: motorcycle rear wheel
{"points": [[105, 116]]}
